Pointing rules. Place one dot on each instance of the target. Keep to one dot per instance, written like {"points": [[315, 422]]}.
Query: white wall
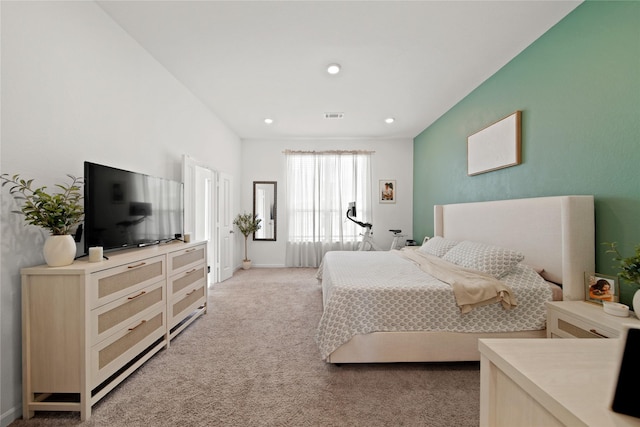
{"points": [[263, 160], [76, 87]]}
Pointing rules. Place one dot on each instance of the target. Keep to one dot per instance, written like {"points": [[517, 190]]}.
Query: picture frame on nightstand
{"points": [[600, 287]]}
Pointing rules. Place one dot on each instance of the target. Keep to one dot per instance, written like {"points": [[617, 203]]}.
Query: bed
{"points": [[553, 237]]}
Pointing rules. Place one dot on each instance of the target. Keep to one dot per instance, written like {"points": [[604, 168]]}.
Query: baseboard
{"points": [[10, 416], [267, 266], [254, 265]]}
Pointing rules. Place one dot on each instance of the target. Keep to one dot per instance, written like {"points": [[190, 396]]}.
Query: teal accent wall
{"points": [[578, 87]]}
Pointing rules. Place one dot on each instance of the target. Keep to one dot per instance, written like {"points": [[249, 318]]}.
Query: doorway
{"points": [[202, 206]]}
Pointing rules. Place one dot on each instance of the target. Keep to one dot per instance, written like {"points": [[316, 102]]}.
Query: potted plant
{"points": [[629, 270], [247, 224], [58, 212]]}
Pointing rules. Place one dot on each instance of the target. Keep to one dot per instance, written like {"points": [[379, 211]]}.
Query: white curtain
{"points": [[320, 186]]}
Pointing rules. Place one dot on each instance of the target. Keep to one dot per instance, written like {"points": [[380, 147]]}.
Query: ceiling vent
{"points": [[333, 115]]}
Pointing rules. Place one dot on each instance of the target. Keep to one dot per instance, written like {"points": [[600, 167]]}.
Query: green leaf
{"points": [[58, 212]]}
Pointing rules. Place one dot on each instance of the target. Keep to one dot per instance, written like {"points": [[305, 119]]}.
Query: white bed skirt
{"points": [[388, 347]]}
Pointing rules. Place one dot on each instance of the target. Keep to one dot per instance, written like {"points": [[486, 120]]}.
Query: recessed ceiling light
{"points": [[333, 68], [268, 121], [389, 120]]}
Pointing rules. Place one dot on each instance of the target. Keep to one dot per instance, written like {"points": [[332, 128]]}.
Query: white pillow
{"points": [[437, 246], [492, 260]]}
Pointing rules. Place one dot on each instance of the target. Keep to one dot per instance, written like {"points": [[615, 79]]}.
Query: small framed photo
{"points": [[387, 191], [599, 287]]}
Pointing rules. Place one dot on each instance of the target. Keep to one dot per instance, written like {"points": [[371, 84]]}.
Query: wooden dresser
{"points": [[87, 326]]}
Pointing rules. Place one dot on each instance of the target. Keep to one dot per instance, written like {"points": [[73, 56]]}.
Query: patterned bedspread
{"points": [[366, 292]]}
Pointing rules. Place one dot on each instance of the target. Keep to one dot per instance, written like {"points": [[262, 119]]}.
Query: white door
{"points": [[200, 205], [225, 221]]}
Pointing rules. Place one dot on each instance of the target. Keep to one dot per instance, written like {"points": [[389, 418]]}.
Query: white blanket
{"points": [[366, 292], [471, 288]]}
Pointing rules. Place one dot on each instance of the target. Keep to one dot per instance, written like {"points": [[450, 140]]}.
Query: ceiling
{"points": [[411, 60]]}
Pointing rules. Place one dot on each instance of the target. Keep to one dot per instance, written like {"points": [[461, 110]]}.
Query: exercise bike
{"points": [[367, 243]]}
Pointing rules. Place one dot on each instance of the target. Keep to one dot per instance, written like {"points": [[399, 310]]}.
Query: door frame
{"points": [[226, 233], [194, 177]]}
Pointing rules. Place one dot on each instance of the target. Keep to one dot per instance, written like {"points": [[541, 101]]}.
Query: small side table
{"points": [[581, 319]]}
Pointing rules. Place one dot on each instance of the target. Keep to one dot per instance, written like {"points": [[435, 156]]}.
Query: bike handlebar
{"points": [[361, 224]]}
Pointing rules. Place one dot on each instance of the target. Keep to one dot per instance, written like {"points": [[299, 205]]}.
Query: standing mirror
{"points": [[265, 208]]}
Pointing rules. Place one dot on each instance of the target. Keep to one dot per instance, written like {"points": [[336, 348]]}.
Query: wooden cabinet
{"points": [[543, 382], [580, 319], [87, 326]]}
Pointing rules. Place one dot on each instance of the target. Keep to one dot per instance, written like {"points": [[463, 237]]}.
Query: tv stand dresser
{"points": [[87, 326]]}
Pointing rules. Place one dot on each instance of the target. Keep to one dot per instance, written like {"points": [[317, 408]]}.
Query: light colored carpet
{"points": [[252, 361]]}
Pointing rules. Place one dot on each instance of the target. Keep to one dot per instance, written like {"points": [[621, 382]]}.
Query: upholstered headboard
{"points": [[555, 233]]}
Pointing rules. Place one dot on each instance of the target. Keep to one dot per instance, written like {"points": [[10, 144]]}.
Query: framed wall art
{"points": [[495, 147], [387, 191]]}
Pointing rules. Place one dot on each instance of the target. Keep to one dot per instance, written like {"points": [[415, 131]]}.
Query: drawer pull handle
{"points": [[136, 265], [593, 331], [190, 250], [190, 271], [138, 325], [136, 296], [189, 293]]}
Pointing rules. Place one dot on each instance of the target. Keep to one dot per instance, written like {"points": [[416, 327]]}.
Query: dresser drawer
{"points": [[187, 259], [112, 317], [186, 302], [189, 278], [109, 285], [117, 350]]}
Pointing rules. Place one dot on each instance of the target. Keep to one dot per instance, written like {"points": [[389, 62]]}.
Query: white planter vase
{"points": [[59, 250], [246, 265], [636, 303]]}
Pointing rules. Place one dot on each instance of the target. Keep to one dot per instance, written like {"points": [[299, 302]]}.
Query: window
{"points": [[320, 186]]}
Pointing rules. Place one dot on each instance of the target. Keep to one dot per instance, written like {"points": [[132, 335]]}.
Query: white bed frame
{"points": [[555, 233]]}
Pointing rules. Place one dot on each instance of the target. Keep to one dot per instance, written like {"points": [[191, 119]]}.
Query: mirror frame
{"points": [[275, 209]]}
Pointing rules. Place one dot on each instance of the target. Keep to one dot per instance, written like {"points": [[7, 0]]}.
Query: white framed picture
{"points": [[387, 191]]}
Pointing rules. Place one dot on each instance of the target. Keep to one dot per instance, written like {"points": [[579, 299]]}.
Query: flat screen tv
{"points": [[126, 209]]}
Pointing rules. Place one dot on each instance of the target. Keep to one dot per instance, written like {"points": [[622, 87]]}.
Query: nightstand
{"points": [[581, 319]]}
